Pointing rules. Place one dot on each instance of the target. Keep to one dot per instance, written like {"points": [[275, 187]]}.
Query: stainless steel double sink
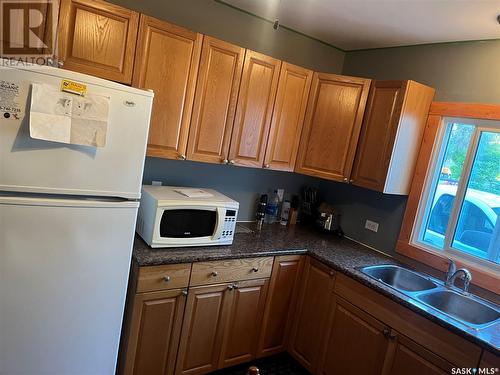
{"points": [[468, 309]]}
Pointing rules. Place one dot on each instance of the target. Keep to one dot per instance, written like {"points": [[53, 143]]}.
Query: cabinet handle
{"points": [[346, 179], [224, 161], [231, 162], [230, 287], [214, 273], [182, 157], [235, 286], [388, 334], [184, 292], [267, 166], [166, 278], [332, 273], [60, 63], [351, 181], [255, 269]]}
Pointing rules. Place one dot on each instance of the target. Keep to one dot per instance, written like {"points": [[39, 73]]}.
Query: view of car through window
{"points": [[476, 231]]}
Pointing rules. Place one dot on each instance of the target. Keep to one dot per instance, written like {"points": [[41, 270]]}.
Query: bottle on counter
{"points": [[285, 212], [272, 208]]}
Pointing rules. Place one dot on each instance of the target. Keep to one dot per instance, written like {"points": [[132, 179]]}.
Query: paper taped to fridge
{"points": [[60, 117]]}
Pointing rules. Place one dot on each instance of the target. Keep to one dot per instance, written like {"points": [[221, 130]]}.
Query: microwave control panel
{"points": [[229, 224]]}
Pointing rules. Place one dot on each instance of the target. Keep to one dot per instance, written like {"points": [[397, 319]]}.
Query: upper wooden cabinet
{"points": [[391, 135], [288, 117], [332, 125], [254, 109], [167, 61], [215, 101], [98, 38]]}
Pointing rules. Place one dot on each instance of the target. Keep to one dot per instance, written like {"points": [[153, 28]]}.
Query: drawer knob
{"points": [[214, 273], [255, 269], [166, 278], [184, 292], [230, 287], [232, 162], [225, 161], [235, 286]]}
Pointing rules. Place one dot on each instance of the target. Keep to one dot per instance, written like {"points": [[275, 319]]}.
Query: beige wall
{"points": [[462, 72], [221, 21]]}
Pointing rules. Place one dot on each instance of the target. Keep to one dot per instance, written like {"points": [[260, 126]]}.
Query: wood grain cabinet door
{"points": [[288, 117], [311, 317], [391, 135], [167, 61], [155, 332], [378, 132], [206, 313], [254, 110], [241, 332], [215, 101], [332, 125], [356, 342], [98, 38], [407, 357], [280, 305]]}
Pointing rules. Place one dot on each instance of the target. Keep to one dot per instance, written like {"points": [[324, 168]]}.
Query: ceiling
{"points": [[360, 24]]}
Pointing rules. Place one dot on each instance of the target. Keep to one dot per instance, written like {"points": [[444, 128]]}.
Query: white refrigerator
{"points": [[67, 219]]}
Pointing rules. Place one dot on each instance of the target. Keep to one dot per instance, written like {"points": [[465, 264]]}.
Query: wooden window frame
{"points": [[483, 277]]}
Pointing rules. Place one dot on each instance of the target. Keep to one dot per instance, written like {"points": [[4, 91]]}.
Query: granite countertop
{"points": [[341, 254]]}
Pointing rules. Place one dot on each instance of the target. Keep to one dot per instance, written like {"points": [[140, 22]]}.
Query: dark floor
{"points": [[280, 364]]}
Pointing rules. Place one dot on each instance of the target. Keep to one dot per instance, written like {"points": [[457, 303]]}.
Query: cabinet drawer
{"points": [[231, 270], [168, 276]]}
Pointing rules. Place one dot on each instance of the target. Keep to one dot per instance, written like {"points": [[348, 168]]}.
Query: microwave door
{"points": [[188, 223]]}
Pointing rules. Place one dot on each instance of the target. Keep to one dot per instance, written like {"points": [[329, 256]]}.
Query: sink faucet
{"points": [[453, 273]]}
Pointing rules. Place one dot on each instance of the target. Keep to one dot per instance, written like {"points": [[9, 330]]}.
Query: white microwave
{"points": [[177, 216]]}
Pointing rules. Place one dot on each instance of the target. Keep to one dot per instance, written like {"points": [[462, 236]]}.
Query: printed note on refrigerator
{"points": [[61, 117]]}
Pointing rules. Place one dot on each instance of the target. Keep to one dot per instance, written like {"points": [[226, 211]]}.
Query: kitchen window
{"points": [[461, 199], [454, 202]]}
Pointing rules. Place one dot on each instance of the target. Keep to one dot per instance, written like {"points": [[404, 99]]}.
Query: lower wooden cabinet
{"points": [[280, 305], [206, 311], [311, 317], [154, 332], [221, 325], [243, 324], [356, 342], [406, 357]]}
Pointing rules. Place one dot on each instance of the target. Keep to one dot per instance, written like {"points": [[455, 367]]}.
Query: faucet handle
{"points": [[452, 267]]}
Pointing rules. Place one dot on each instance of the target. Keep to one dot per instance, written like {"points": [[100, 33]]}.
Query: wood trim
{"points": [[482, 277], [467, 110]]}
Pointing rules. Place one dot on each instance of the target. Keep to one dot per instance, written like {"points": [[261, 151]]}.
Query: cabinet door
{"points": [[378, 132], [206, 312], [241, 332], [280, 306], [254, 109], [407, 357], [98, 38], [155, 332], [332, 125], [288, 117], [356, 342], [312, 313], [167, 62], [215, 101]]}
